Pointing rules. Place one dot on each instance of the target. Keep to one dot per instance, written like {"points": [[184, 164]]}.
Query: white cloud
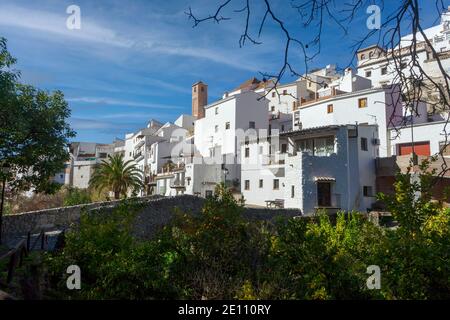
{"points": [[164, 39], [118, 102], [47, 22]]}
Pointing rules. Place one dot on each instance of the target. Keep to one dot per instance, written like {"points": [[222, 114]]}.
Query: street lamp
{"points": [[5, 169]]}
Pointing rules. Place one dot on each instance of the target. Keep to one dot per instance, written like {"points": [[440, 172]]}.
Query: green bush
{"points": [[74, 196], [219, 254]]}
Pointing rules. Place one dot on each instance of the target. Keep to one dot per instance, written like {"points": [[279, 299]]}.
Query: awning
{"points": [[324, 179]]}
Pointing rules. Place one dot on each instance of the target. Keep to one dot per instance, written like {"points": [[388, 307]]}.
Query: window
{"points": [[284, 92], [292, 191], [227, 125], [251, 125], [261, 149], [318, 147], [324, 194], [247, 184], [247, 152], [203, 89], [270, 129], [323, 146], [261, 183], [276, 184], [330, 108], [306, 146], [367, 191], [364, 146], [103, 155], [284, 148], [438, 39], [217, 111], [282, 128], [208, 193], [216, 128], [363, 56], [195, 89], [384, 70], [273, 94], [272, 108], [61, 176], [130, 154], [362, 103], [368, 73]]}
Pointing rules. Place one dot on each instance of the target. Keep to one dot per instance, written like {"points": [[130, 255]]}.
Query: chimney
{"points": [[199, 99]]}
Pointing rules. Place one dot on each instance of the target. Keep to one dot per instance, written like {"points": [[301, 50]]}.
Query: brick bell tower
{"points": [[199, 99]]}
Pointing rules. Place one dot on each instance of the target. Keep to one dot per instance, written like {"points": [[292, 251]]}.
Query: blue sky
{"points": [[135, 60]]}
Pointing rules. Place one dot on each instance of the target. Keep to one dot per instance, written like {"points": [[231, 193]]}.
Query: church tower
{"points": [[199, 99]]}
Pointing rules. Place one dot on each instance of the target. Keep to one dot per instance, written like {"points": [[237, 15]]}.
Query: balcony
{"points": [[170, 169], [138, 156], [274, 116], [177, 184], [324, 95], [139, 144]]}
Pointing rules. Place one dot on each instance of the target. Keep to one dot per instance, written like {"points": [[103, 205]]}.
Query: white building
{"points": [[330, 167], [363, 105], [84, 156], [427, 139], [378, 64], [217, 135]]}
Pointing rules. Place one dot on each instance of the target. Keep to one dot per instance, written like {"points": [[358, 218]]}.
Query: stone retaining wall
{"points": [[157, 212]]}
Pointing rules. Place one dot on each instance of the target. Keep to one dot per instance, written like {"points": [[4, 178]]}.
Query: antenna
{"points": [[373, 116]]}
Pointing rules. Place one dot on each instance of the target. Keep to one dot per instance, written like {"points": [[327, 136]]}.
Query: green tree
{"points": [[117, 176], [34, 131]]}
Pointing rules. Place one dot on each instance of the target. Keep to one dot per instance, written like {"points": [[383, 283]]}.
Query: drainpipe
{"points": [[348, 167]]}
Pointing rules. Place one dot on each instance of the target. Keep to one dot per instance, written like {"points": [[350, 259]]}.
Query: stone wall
{"points": [[157, 212]]}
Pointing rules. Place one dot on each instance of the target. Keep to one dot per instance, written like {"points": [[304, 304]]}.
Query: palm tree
{"points": [[117, 176]]}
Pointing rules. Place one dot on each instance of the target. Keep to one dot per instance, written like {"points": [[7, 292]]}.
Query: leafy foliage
{"points": [[75, 196], [417, 255], [220, 254], [34, 131], [117, 176]]}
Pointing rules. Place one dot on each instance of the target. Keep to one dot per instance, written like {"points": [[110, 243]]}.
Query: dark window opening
{"points": [[364, 146], [324, 194]]}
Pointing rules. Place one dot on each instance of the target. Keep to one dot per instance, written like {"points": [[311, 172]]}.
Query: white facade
{"points": [[84, 156], [226, 122], [436, 134], [378, 65], [336, 159], [382, 107]]}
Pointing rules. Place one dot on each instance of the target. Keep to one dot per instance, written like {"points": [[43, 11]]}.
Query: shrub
{"points": [[219, 254], [74, 196]]}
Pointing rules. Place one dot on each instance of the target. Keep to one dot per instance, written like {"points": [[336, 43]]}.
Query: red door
{"points": [[420, 148]]}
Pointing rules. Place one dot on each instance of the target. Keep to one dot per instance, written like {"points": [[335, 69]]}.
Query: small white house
{"points": [[330, 167], [378, 65], [379, 106]]}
